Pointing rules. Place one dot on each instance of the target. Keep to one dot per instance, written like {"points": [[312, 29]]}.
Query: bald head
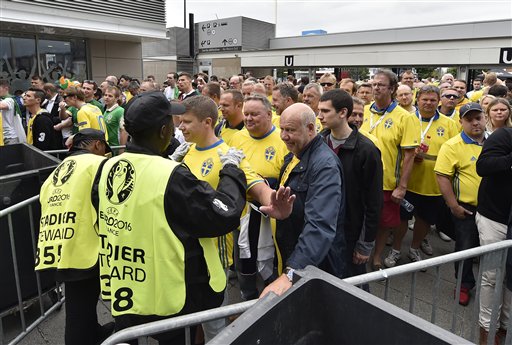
{"points": [[298, 127], [260, 89]]}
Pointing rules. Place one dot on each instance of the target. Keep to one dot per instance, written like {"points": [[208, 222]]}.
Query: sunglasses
{"points": [[326, 84], [65, 96], [450, 96]]}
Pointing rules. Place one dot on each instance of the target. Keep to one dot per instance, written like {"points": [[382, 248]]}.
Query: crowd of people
{"points": [[250, 179]]}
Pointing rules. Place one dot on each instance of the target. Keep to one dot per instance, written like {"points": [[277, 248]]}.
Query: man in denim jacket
{"points": [[313, 234]]}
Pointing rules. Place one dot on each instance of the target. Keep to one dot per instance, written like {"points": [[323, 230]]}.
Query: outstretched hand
{"points": [[281, 203]]}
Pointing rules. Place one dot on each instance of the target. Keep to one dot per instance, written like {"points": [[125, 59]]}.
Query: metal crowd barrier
{"points": [[23, 305], [492, 256], [61, 154]]}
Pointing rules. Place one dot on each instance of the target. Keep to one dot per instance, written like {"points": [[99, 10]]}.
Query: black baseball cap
{"points": [[87, 134], [148, 108], [469, 107]]}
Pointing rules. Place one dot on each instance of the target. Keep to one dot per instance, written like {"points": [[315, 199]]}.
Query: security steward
{"points": [[68, 241], [157, 223]]}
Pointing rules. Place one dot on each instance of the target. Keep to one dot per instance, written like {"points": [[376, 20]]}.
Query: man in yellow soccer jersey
{"points": [[422, 189], [260, 140], [200, 154], [397, 132], [458, 180], [231, 105], [88, 116]]}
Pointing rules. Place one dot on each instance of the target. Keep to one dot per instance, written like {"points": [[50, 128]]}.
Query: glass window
{"points": [[62, 57], [18, 61]]}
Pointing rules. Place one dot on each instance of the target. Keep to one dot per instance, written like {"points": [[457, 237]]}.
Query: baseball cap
{"points": [[87, 134], [146, 109], [466, 108]]}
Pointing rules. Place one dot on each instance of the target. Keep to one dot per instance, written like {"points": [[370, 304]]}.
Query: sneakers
{"points": [[444, 236], [392, 258], [464, 296], [414, 255], [426, 247]]}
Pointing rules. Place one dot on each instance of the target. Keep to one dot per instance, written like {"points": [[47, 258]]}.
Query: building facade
{"points": [[75, 39]]}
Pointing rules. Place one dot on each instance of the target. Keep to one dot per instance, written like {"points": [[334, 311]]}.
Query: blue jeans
{"points": [[466, 237]]}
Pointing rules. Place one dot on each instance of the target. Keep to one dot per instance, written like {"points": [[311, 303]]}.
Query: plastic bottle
{"points": [[407, 205]]}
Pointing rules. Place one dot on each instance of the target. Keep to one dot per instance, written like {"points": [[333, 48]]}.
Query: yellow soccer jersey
{"points": [[457, 160], [461, 103], [423, 179], [319, 126], [205, 164], [475, 96], [455, 116], [90, 116], [395, 129], [265, 154], [226, 132], [372, 137], [128, 95], [275, 119]]}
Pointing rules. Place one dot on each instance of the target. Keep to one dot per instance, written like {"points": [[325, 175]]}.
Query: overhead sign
{"points": [[288, 61], [220, 35], [506, 56]]}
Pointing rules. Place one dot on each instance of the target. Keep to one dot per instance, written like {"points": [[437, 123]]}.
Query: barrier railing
{"points": [[492, 256], [21, 304]]}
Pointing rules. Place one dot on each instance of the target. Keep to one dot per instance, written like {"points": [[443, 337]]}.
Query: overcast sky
{"points": [[342, 16]]}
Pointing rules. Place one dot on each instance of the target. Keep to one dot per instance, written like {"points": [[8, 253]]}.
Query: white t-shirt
{"points": [[8, 119]]}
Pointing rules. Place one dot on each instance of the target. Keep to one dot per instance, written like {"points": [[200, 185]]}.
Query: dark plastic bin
{"points": [[23, 169], [321, 309]]}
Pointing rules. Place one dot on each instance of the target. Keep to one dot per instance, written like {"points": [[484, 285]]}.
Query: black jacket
{"points": [[362, 172], [495, 166], [313, 234], [43, 135]]}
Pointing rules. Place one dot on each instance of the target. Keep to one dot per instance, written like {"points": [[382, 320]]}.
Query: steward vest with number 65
{"points": [[68, 236], [142, 260]]}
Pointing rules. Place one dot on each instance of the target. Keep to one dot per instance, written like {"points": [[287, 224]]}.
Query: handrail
{"points": [[18, 206], [427, 263], [177, 322]]}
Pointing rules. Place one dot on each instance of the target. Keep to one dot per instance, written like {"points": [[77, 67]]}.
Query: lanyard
{"points": [[392, 105], [423, 133]]}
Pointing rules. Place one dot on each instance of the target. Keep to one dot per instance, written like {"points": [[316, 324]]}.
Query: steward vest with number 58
{"points": [[68, 236], [142, 260]]}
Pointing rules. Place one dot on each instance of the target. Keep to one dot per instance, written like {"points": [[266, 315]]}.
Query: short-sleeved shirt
{"points": [[226, 132], [423, 179], [455, 116], [265, 154], [205, 164], [457, 160], [90, 116], [461, 103], [8, 118], [395, 129], [112, 118]]}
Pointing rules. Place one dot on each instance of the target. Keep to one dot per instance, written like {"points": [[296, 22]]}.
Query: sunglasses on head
{"points": [[451, 96], [326, 84]]}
